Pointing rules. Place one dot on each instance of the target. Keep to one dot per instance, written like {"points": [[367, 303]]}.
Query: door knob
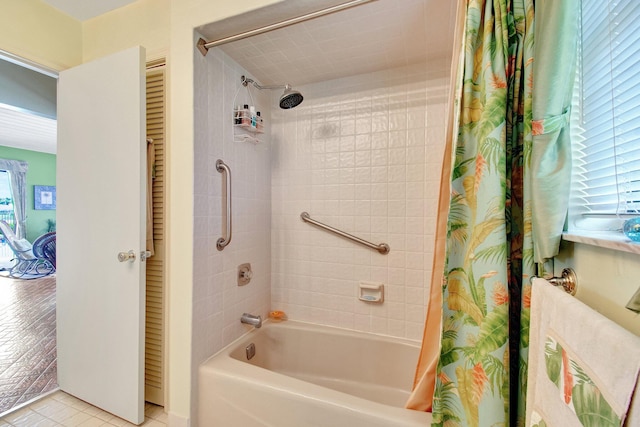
{"points": [[127, 256]]}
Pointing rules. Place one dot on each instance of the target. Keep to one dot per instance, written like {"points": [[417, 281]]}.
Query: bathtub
{"points": [[309, 375]]}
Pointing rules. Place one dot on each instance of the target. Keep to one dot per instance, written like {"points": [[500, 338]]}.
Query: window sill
{"points": [[604, 239]]}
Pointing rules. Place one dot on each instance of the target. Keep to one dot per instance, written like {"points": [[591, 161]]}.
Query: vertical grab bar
{"points": [[224, 169]]}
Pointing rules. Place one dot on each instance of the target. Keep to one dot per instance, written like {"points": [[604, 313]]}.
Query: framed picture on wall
{"points": [[44, 197]]}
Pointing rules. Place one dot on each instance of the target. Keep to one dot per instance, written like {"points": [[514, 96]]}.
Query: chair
{"points": [[45, 247], [28, 264]]}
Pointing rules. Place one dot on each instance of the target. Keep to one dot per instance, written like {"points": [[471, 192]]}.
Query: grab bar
{"points": [[383, 248], [223, 168]]}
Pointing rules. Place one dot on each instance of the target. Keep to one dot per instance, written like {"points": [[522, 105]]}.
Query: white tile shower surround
{"points": [[218, 301], [61, 409], [363, 154], [353, 155]]}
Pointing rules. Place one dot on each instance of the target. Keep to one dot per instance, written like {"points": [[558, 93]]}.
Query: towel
{"points": [[583, 367], [151, 164]]}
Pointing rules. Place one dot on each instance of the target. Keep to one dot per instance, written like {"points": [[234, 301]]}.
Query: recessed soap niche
{"points": [[371, 292]]}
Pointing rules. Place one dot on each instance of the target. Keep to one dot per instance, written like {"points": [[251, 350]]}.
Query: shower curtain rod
{"points": [[204, 46]]}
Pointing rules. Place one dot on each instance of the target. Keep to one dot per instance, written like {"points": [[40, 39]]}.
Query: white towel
{"points": [[583, 367]]}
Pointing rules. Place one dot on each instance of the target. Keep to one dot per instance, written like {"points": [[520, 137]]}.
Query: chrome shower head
{"points": [[290, 98]]}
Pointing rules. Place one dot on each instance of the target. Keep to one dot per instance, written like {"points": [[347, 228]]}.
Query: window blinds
{"points": [[607, 164]]}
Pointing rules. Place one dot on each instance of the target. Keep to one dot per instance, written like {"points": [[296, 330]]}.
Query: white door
{"points": [[101, 212]]}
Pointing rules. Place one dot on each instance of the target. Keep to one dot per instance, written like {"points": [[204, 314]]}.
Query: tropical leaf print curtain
{"points": [[481, 374]]}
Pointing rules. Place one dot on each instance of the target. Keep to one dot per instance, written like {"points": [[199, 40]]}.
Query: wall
{"points": [[607, 279], [363, 154], [42, 171], [185, 16], [218, 302], [27, 90], [145, 23], [36, 31]]}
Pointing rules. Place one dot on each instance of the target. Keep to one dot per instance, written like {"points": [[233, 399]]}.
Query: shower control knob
{"points": [[244, 274]]}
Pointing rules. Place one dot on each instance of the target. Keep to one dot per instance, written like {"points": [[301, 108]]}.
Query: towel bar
{"points": [[568, 281]]}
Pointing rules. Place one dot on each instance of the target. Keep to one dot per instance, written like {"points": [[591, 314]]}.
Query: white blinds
{"points": [[607, 164]]}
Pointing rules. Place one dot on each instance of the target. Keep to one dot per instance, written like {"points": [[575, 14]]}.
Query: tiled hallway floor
{"points": [[61, 409], [27, 340], [28, 363]]}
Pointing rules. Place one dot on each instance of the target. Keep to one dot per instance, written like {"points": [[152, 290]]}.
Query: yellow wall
{"points": [[185, 16], [36, 31], [607, 279], [145, 23]]}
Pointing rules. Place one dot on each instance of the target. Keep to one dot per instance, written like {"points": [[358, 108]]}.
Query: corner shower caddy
{"points": [[247, 130]]}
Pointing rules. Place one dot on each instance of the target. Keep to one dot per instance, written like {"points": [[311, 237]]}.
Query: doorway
{"points": [[154, 342], [27, 307]]}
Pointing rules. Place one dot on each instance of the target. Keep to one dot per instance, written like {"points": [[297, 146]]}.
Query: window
{"points": [[6, 214], [606, 117]]}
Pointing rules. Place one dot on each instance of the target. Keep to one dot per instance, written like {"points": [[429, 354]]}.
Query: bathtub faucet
{"points": [[251, 319]]}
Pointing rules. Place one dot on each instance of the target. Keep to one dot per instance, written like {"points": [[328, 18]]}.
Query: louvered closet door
{"points": [[155, 320]]}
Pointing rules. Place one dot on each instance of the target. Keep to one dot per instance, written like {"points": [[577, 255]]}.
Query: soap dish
{"points": [[371, 292]]}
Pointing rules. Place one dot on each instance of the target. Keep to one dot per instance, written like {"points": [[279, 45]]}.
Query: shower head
{"points": [[290, 98]]}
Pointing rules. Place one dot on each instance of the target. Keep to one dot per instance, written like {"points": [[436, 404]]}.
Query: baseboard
{"points": [[29, 402], [177, 420]]}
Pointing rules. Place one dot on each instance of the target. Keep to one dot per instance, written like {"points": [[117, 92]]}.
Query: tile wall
{"points": [[218, 302], [363, 154]]}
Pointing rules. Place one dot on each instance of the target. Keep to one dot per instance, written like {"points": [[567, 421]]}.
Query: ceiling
{"points": [[19, 129], [86, 9], [375, 36]]}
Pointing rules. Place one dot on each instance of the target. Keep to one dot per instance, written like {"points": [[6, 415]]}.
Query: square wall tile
{"points": [[374, 153]]}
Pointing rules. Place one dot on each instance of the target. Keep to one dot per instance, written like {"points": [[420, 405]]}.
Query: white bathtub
{"points": [[309, 375]]}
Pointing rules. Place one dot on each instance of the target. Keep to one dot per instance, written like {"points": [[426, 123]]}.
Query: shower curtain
{"points": [[487, 243], [421, 398], [489, 252]]}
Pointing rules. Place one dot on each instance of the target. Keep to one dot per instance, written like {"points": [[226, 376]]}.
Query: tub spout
{"points": [[251, 319]]}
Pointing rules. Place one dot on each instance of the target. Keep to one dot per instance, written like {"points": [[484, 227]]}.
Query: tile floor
{"points": [[28, 364], [27, 340], [61, 409]]}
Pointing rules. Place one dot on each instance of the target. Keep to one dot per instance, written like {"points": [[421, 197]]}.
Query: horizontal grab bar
{"points": [[383, 248]]}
